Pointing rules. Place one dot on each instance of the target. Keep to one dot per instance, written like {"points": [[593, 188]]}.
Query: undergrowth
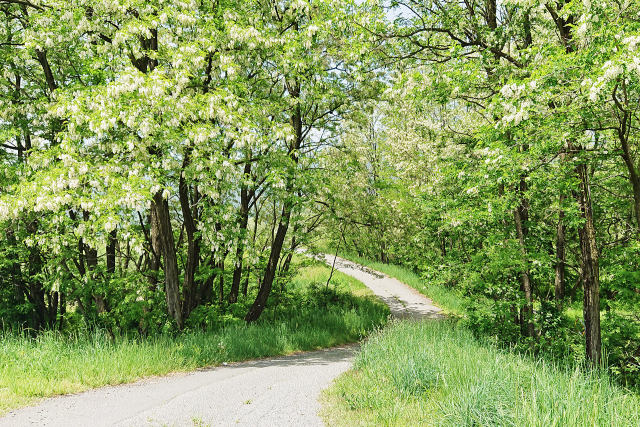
{"points": [[437, 373]]}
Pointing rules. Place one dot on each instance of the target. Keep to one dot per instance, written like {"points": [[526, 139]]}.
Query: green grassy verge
{"points": [[308, 317], [445, 298], [436, 373]]}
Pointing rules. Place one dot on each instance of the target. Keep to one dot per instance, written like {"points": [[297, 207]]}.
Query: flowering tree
{"points": [[158, 127]]}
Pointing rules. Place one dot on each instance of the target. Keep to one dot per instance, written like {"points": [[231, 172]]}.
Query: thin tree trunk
{"points": [[189, 291], [634, 177], [156, 249], [287, 207], [221, 280], [166, 243], [590, 270], [276, 248], [245, 285], [527, 310], [63, 310], [521, 216], [589, 251], [287, 261], [54, 300], [333, 265], [294, 244], [111, 252], [560, 257], [244, 221], [35, 293], [91, 259]]}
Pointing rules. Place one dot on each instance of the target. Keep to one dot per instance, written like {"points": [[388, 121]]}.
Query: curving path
{"points": [[278, 391], [403, 300]]}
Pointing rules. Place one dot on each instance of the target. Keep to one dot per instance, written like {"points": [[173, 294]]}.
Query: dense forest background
{"points": [[162, 161]]}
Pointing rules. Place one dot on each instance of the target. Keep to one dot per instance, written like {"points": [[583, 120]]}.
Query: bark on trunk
{"points": [[527, 310], [35, 293], [560, 257], [245, 285], [91, 259], [491, 14], [294, 244], [244, 221], [53, 298], [287, 261], [156, 250], [168, 250], [521, 216], [590, 270], [220, 266], [63, 310], [111, 252], [189, 291], [589, 251]]}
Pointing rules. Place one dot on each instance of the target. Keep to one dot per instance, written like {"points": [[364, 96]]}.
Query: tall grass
{"points": [[52, 364], [436, 373]]}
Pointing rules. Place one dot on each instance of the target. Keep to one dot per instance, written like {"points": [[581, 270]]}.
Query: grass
{"points": [[52, 364], [436, 373], [446, 298]]}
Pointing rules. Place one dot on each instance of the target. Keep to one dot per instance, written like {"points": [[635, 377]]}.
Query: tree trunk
{"points": [[63, 310], [16, 277], [206, 289], [189, 291], [590, 270], [267, 282], [634, 177], [244, 221], [294, 244], [287, 261], [87, 265], [35, 293], [491, 14], [560, 257], [220, 266], [245, 285], [111, 252], [156, 250], [91, 258], [287, 207], [589, 251], [166, 243], [527, 310]]}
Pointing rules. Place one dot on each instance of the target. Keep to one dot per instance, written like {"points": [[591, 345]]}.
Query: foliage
{"points": [[501, 163], [149, 142]]}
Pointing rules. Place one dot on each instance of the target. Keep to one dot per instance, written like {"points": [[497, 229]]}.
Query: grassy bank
{"points": [[307, 317], [436, 373]]}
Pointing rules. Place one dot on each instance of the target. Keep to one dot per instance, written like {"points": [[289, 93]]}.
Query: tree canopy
{"points": [[164, 158]]}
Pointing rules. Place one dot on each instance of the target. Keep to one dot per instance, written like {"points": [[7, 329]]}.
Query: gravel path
{"points": [[404, 301], [278, 391]]}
